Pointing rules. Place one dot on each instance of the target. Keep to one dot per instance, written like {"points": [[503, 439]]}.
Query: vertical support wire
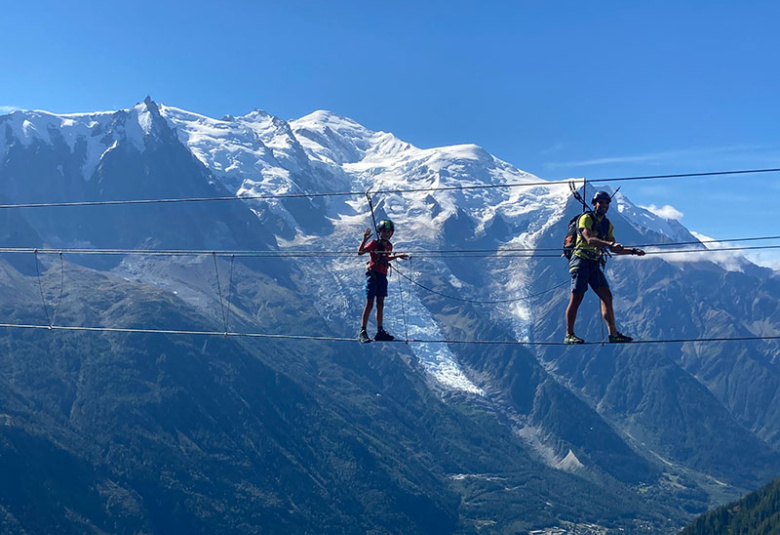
{"points": [[219, 292], [230, 294], [400, 291], [40, 290], [406, 316], [62, 290]]}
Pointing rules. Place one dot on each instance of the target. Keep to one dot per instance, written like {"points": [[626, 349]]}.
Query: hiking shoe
{"points": [[363, 336], [573, 339], [383, 336], [618, 338]]}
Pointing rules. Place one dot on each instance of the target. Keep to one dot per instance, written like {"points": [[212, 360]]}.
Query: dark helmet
{"points": [[600, 196], [385, 224]]}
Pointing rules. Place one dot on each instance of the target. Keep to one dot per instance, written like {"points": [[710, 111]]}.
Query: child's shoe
{"points": [[383, 336]]}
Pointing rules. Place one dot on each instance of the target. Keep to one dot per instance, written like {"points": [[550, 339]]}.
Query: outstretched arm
{"points": [[613, 246], [366, 236], [595, 241], [619, 249], [402, 256]]}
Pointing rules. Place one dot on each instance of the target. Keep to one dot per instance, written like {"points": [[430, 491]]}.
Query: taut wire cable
{"points": [[462, 253], [351, 339], [383, 192]]}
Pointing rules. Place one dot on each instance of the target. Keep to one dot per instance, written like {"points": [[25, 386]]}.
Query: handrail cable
{"points": [[498, 253], [380, 192], [350, 252]]}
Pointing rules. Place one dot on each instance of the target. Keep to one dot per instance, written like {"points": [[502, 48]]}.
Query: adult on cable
{"points": [[595, 235]]}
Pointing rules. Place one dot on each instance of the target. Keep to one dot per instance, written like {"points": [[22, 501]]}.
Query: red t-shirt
{"points": [[378, 262]]}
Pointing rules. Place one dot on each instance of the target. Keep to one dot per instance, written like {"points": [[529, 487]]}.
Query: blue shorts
{"points": [[585, 272], [376, 285]]}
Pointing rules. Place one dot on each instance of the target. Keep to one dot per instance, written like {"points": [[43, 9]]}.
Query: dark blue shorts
{"points": [[585, 272], [376, 285]]}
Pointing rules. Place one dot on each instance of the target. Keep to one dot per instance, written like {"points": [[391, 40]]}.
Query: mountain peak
{"points": [[148, 105], [257, 113], [331, 137], [150, 119], [323, 118]]}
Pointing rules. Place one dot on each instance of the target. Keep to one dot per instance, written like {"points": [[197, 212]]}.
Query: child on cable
{"points": [[376, 277]]}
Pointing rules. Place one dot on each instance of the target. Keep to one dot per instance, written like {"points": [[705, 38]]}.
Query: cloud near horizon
{"points": [[769, 259], [666, 211], [661, 157]]}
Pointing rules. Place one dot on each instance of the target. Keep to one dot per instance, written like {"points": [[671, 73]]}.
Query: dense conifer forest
{"points": [[758, 513]]}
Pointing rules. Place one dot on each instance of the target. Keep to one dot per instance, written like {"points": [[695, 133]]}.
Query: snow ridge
{"points": [[89, 135]]}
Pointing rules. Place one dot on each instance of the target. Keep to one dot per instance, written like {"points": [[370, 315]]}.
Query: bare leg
{"points": [[607, 312], [571, 311], [367, 311], [380, 310]]}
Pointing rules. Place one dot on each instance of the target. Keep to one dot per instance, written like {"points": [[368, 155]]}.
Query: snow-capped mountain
{"points": [[681, 423], [87, 136], [258, 154]]}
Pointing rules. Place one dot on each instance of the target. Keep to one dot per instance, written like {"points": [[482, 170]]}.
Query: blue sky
{"points": [[557, 88]]}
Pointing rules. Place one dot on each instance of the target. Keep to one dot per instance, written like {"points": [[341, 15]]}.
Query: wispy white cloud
{"points": [[558, 147], [731, 259], [666, 211], [7, 109], [765, 258], [728, 260], [734, 153]]}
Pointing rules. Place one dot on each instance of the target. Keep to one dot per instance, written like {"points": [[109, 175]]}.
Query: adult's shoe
{"points": [[573, 339], [618, 338]]}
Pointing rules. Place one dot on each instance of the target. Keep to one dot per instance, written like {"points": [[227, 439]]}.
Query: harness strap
{"points": [[602, 231]]}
